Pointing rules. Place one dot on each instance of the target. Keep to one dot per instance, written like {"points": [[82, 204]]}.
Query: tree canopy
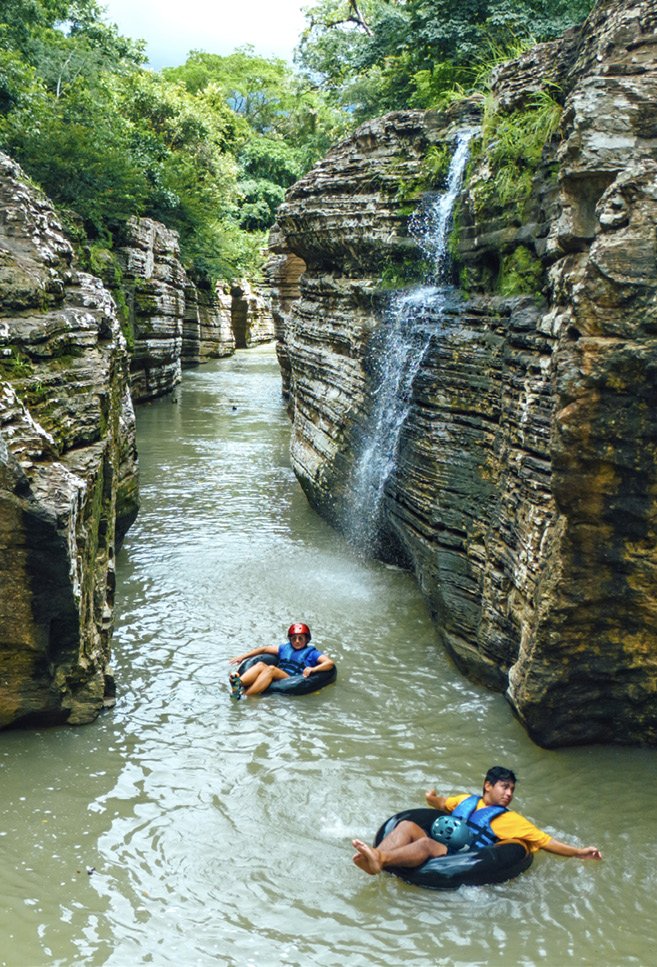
{"points": [[377, 55], [210, 147]]}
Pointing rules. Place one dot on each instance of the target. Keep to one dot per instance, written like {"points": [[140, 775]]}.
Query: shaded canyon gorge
{"points": [[68, 464]]}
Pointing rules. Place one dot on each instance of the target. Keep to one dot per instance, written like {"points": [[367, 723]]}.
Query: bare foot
{"points": [[367, 857]]}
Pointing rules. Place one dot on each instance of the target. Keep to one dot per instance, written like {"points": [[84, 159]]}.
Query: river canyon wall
{"points": [[522, 490], [171, 322], [68, 473], [71, 366]]}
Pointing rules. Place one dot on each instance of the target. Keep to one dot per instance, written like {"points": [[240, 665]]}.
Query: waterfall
{"points": [[406, 329]]}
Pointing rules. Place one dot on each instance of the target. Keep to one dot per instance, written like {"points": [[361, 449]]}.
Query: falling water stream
{"points": [[398, 348], [183, 829]]}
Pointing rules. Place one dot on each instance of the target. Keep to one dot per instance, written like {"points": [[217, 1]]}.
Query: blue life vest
{"points": [[479, 820], [294, 660]]}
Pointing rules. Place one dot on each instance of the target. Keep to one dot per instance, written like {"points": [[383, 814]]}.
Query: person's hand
{"points": [[590, 853], [431, 797], [307, 672], [235, 661]]}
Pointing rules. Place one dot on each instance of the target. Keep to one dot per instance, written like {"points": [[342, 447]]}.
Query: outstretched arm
{"points": [[262, 650], [581, 852], [433, 799], [324, 664]]}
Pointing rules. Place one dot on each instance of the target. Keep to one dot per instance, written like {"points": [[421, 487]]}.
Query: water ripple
{"points": [[219, 832]]}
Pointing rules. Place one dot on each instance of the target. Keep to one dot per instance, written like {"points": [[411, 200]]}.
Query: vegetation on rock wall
{"points": [[404, 273], [510, 160], [513, 145], [374, 56], [209, 148], [521, 273]]}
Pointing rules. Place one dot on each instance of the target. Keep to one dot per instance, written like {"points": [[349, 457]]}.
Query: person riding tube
{"points": [[488, 820], [296, 656]]}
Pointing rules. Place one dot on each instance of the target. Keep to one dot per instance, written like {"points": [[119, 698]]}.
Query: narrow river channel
{"points": [[185, 829]]}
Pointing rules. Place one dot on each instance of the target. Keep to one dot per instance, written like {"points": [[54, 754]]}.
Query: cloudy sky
{"points": [[171, 28]]}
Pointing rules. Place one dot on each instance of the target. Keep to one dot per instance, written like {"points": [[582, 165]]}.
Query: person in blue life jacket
{"points": [[489, 820], [296, 656]]}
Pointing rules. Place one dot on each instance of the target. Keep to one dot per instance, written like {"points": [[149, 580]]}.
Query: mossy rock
{"points": [[14, 365], [521, 273], [405, 273]]}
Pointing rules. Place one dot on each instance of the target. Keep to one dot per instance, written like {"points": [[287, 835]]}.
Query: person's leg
{"points": [[267, 675], [404, 833], [407, 845], [250, 675]]}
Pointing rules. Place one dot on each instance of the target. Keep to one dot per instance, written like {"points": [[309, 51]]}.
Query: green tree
{"points": [[107, 139], [287, 126], [410, 53], [257, 88]]}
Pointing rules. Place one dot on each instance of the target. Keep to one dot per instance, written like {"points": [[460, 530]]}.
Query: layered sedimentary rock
{"points": [[251, 316], [523, 487], [207, 325], [283, 271], [67, 467], [154, 282], [174, 322]]}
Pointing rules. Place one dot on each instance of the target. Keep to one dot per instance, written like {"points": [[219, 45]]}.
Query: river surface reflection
{"points": [[181, 828]]}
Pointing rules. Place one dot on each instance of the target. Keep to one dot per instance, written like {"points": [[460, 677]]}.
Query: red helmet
{"points": [[299, 629]]}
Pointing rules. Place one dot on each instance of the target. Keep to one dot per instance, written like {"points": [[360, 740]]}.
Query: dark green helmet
{"points": [[454, 833]]}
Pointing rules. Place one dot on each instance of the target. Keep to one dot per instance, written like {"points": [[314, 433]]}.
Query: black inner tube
{"points": [[490, 864], [295, 684]]}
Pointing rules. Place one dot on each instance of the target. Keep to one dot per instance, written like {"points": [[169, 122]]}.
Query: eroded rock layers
{"points": [[172, 323], [523, 489], [67, 468]]}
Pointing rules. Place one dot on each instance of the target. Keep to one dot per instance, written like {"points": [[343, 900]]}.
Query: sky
{"points": [[172, 28]]}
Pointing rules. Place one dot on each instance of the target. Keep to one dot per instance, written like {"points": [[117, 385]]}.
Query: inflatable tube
{"points": [[295, 684], [491, 864]]}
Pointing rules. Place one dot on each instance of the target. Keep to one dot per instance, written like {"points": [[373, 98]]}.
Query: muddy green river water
{"points": [[183, 828]]}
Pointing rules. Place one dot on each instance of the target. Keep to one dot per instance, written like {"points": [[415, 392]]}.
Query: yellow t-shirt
{"points": [[508, 825]]}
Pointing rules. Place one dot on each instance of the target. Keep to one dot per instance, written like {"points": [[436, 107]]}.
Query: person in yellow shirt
{"points": [[488, 818]]}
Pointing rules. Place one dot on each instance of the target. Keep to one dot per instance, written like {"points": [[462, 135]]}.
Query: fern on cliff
{"points": [[513, 145]]}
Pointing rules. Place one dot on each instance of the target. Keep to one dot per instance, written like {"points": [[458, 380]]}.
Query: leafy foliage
{"points": [[521, 272], [208, 148], [513, 143], [413, 53], [286, 126]]}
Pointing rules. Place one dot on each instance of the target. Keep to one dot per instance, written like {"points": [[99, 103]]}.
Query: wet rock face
{"points": [[523, 489], [341, 226], [207, 325], [67, 467], [251, 317]]}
